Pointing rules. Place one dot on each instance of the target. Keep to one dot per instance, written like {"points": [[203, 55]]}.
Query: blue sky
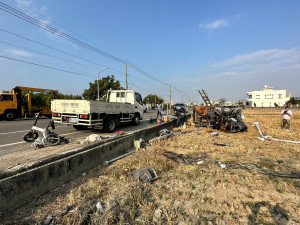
{"points": [[225, 47]]}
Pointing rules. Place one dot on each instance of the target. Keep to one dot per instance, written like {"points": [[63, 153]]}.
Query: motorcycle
{"points": [[49, 137]]}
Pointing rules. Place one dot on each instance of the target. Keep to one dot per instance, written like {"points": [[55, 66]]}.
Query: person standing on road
{"points": [[286, 119], [159, 110], [180, 118]]}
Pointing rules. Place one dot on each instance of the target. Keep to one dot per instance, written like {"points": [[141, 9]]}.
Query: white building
{"points": [[268, 97]]}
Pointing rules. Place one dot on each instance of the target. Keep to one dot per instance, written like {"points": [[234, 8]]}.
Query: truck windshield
{"points": [[6, 98], [138, 98]]}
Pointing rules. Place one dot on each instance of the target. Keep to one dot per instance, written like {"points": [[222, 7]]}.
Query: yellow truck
{"points": [[18, 103]]}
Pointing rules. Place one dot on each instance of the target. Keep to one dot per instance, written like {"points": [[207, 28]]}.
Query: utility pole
{"points": [[170, 97], [126, 79], [126, 76]]}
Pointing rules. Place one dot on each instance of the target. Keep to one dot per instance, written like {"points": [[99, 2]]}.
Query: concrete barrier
{"points": [[22, 186]]}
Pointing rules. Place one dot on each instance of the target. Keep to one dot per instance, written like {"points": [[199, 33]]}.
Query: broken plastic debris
{"points": [[147, 174], [223, 166], [93, 138], [214, 134], [99, 206], [200, 162]]}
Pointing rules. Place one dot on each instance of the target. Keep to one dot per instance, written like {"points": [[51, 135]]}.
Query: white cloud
{"points": [[274, 57], [214, 25], [19, 52], [24, 3]]}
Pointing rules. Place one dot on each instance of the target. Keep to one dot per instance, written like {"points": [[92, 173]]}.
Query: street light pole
{"points": [[98, 81]]}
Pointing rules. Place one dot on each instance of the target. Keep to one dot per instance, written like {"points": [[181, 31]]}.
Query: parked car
{"points": [[181, 107]]}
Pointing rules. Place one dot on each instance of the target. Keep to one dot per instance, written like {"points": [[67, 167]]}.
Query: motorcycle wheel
{"points": [[52, 139], [30, 136]]}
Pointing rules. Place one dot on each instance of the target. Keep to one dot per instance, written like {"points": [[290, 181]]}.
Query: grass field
{"points": [[189, 194]]}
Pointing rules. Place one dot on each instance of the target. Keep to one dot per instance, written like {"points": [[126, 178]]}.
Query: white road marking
{"points": [[22, 131], [12, 144], [21, 142]]}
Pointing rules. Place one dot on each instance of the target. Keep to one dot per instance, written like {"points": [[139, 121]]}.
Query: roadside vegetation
{"points": [[220, 189]]}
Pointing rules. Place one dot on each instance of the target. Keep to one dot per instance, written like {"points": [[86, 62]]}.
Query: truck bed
{"points": [[92, 106]]}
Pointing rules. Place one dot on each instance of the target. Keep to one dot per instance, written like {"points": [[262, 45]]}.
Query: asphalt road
{"points": [[11, 132]]}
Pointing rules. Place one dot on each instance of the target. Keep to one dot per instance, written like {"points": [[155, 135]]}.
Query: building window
{"points": [[257, 96], [279, 96], [122, 94], [250, 96]]}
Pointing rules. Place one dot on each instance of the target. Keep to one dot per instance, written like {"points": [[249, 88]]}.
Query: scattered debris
{"points": [[217, 144], [106, 163], [138, 144], [38, 143], [213, 134], [84, 174], [99, 207], [200, 162], [93, 138], [270, 137], [180, 158], [147, 174], [164, 132], [223, 166], [260, 138], [157, 216]]}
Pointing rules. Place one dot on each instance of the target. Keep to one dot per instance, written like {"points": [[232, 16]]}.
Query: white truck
{"points": [[122, 106]]}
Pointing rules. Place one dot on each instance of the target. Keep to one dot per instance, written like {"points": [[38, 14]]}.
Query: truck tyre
{"points": [[136, 120], [110, 125], [9, 115], [80, 127]]}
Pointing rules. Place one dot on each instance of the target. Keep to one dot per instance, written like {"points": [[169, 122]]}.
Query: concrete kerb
{"points": [[23, 186]]}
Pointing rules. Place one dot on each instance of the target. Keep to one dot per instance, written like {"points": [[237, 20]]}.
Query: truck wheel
{"points": [[10, 115], [80, 127], [110, 125], [52, 139], [136, 120]]}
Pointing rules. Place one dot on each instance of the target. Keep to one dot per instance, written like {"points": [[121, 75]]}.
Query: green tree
{"points": [[105, 84], [152, 99], [293, 101]]}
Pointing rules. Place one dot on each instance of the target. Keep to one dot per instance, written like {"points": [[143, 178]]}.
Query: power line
{"points": [[55, 49], [59, 33], [48, 67]]}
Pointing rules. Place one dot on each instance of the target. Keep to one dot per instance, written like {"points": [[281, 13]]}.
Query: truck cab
{"points": [[127, 97], [8, 106]]}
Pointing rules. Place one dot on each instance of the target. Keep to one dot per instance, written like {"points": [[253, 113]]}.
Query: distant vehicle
{"points": [[122, 106], [18, 103], [181, 107]]}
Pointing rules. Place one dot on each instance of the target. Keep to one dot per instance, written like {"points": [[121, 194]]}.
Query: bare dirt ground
{"points": [[185, 193]]}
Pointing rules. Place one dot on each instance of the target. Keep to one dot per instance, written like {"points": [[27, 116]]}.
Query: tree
{"points": [[105, 84], [293, 101], [152, 99], [222, 101]]}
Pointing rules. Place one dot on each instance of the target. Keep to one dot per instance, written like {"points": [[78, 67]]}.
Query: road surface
{"points": [[14, 151]]}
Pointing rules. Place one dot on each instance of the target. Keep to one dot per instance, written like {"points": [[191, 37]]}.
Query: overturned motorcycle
{"points": [[49, 137]]}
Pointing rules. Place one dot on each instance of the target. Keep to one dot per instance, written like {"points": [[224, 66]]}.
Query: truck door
{"points": [[139, 104]]}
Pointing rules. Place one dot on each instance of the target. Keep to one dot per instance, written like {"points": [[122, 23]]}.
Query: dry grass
{"points": [[188, 194]]}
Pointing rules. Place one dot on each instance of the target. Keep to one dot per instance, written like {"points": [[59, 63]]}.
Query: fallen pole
{"points": [[270, 138], [106, 163]]}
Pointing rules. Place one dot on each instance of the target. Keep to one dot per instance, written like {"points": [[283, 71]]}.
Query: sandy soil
{"points": [[184, 193]]}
